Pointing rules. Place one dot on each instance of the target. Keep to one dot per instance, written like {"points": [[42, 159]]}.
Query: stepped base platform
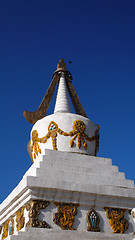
{"points": [[79, 180]]}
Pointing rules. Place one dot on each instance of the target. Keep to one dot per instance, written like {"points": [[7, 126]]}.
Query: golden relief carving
{"points": [[53, 130], [20, 219], [93, 220], [79, 133], [33, 207], [35, 146], [65, 215], [5, 229], [116, 219]]}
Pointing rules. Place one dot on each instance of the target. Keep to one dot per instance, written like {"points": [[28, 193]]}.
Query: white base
{"points": [[91, 182], [46, 234]]}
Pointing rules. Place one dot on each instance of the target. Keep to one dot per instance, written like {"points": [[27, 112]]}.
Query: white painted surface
{"points": [[63, 176], [65, 122], [62, 100], [133, 216], [49, 234], [67, 177]]}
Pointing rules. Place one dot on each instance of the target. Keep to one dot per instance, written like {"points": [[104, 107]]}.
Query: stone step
{"points": [[47, 183], [74, 166], [58, 164], [87, 159], [53, 168], [83, 178], [73, 163], [50, 234], [32, 169], [89, 162]]}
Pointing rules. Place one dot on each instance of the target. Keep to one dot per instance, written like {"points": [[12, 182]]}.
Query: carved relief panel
{"points": [[20, 219], [93, 221], [5, 229], [11, 226], [33, 207], [116, 219], [65, 215]]}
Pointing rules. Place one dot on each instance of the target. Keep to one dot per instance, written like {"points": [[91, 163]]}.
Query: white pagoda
{"points": [[68, 192]]}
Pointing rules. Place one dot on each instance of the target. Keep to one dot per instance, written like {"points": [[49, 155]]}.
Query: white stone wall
{"points": [[91, 182], [80, 223]]}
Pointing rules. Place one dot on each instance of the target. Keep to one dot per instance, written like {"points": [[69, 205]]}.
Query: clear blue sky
{"points": [[99, 38]]}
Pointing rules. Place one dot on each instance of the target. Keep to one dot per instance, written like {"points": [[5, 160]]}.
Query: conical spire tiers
{"points": [[62, 100]]}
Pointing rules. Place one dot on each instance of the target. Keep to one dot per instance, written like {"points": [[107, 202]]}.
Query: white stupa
{"points": [[68, 192]]}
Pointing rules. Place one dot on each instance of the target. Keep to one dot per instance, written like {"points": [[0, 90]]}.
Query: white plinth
{"points": [[45, 234], [91, 182]]}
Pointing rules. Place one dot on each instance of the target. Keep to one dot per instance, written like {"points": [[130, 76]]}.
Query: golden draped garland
{"points": [[78, 132], [53, 130]]}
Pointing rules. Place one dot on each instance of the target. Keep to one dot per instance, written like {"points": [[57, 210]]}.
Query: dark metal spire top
{"points": [[61, 65]]}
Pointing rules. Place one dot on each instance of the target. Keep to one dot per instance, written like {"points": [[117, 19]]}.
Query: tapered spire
{"points": [[62, 100]]}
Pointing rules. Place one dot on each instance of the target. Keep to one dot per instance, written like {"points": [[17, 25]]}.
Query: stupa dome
{"points": [[62, 130]]}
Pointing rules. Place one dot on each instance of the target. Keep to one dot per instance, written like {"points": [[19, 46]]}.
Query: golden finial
{"points": [[61, 64]]}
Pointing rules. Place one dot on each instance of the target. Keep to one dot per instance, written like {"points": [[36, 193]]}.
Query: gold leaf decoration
{"points": [[79, 133], [65, 215], [33, 207], [5, 229], [20, 219], [116, 219], [53, 130]]}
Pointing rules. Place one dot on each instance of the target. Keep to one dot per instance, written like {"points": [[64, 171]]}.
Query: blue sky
{"points": [[99, 38]]}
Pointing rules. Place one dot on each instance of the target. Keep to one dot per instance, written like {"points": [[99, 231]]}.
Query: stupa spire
{"points": [[64, 77], [62, 100]]}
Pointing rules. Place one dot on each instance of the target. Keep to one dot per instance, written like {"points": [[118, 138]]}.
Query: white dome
{"points": [[63, 132]]}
